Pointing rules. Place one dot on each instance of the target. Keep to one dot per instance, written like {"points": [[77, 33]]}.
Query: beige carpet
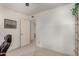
{"points": [[33, 51], [46, 52]]}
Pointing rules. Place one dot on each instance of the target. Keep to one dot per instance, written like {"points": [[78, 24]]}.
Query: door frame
{"points": [[33, 20]]}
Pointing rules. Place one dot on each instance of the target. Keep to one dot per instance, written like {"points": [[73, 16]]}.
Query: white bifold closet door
{"points": [[25, 32]]}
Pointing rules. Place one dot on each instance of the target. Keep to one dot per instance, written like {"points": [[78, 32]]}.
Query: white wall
{"points": [[55, 29], [9, 14]]}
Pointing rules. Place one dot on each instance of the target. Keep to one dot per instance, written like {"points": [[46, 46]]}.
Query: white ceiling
{"points": [[33, 7]]}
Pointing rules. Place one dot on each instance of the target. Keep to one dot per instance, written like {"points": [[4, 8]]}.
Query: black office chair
{"points": [[5, 45]]}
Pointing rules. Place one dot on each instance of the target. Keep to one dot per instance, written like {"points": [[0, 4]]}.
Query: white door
{"points": [[25, 32]]}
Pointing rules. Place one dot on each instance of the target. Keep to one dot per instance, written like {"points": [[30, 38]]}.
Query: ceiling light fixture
{"points": [[27, 4]]}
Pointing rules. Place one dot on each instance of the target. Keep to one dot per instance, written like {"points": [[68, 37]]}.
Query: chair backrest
{"points": [[6, 44], [8, 38]]}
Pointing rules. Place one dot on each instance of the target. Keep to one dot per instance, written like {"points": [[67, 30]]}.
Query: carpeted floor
{"points": [[33, 51]]}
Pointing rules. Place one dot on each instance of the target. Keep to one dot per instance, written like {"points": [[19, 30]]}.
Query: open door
{"points": [[33, 29]]}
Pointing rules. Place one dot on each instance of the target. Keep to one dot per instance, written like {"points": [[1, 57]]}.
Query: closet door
{"points": [[25, 32]]}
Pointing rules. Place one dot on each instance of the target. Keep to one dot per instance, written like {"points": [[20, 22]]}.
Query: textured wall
{"points": [[55, 29], [7, 13]]}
